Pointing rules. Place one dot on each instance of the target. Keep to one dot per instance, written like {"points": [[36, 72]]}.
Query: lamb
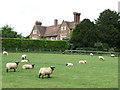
{"points": [[27, 60], [46, 71], [5, 53], [101, 57], [24, 56], [91, 54], [27, 66], [12, 66], [112, 55], [69, 64], [83, 62]]}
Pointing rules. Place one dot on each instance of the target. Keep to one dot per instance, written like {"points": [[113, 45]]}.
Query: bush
{"points": [[33, 45]]}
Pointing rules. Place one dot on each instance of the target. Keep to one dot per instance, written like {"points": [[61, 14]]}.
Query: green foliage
{"points": [[105, 31], [7, 32], [84, 34], [33, 45], [108, 28]]}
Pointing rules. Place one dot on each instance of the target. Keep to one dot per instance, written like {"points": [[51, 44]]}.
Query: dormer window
{"points": [[34, 31], [63, 28]]}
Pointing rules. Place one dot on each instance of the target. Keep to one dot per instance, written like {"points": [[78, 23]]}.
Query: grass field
{"points": [[94, 74]]}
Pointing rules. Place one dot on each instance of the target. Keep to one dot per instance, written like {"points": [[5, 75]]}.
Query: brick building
{"points": [[56, 31]]}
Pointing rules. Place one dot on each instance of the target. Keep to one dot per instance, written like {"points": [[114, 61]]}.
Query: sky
{"points": [[22, 14]]}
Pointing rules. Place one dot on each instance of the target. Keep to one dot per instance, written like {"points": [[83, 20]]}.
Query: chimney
{"points": [[55, 22], [38, 23], [76, 18]]}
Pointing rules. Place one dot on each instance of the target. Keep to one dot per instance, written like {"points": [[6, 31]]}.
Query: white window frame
{"points": [[52, 38], [34, 31], [63, 36], [63, 28], [34, 37]]}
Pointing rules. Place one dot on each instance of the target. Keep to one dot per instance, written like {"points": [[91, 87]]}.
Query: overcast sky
{"points": [[22, 14]]}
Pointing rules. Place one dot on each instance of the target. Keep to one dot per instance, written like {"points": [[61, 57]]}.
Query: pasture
{"points": [[94, 74]]}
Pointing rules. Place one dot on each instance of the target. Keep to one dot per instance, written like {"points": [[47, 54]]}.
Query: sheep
{"points": [[83, 62], [24, 57], [91, 54], [112, 55], [101, 58], [12, 66], [27, 60], [27, 66], [69, 64], [46, 71], [5, 53]]}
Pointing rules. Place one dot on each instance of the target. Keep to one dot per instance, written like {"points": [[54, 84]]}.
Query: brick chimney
{"points": [[76, 18], [55, 22], [38, 23]]}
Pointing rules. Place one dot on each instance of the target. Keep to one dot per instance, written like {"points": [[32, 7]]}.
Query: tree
{"points": [[7, 32], [108, 27], [84, 34]]}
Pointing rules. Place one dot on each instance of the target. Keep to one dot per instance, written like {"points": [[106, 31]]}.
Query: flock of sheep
{"points": [[43, 71]]}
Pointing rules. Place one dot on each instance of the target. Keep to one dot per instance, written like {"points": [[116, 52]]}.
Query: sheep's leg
{"points": [[48, 75], [42, 77], [39, 75], [14, 70], [7, 70]]}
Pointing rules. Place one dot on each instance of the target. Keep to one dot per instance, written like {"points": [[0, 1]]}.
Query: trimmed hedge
{"points": [[11, 44]]}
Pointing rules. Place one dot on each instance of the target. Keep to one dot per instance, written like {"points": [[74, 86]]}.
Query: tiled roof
{"points": [[70, 24], [42, 30], [51, 30]]}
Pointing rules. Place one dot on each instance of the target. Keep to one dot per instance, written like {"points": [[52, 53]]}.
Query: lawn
{"points": [[94, 74]]}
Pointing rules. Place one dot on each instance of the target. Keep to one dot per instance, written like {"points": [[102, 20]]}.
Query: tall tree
{"points": [[108, 27], [7, 32], [84, 34]]}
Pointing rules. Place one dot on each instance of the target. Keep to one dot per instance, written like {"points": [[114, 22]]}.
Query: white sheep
{"points": [[69, 64], [5, 53], [11, 66], [27, 66], [112, 55], [27, 60], [24, 56], [91, 54], [101, 57], [83, 62], [46, 71]]}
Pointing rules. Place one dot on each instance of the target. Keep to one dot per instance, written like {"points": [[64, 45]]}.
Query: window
{"points": [[35, 37], [52, 38], [63, 28], [62, 37], [34, 31]]}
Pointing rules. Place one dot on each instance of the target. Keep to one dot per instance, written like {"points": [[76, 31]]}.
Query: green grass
{"points": [[95, 74]]}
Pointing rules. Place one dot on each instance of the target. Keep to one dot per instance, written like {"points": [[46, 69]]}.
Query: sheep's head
{"points": [[52, 68], [33, 65], [66, 64], [17, 63]]}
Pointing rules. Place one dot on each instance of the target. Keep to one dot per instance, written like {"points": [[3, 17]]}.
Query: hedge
{"points": [[12, 44]]}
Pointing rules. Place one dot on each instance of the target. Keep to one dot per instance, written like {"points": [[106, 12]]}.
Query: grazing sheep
{"points": [[91, 54], [5, 53], [112, 55], [46, 71], [24, 57], [83, 62], [101, 57], [69, 64], [27, 66], [11, 66], [27, 60]]}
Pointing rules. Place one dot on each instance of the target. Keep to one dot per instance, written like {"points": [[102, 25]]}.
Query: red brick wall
{"points": [[32, 35], [60, 32]]}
